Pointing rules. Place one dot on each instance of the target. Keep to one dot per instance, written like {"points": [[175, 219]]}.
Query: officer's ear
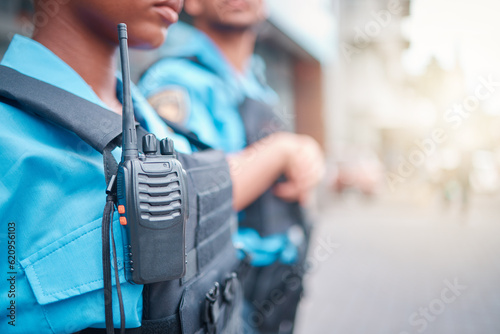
{"points": [[193, 7]]}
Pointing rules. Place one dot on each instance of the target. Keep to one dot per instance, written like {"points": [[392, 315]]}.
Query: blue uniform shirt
{"points": [[214, 90], [52, 188]]}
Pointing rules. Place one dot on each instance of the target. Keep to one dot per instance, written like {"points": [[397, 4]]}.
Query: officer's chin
{"points": [[153, 41]]}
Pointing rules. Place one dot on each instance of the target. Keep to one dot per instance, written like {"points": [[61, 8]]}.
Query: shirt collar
{"points": [[186, 41]]}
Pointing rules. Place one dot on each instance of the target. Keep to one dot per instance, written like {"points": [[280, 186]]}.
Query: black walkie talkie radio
{"points": [[152, 197]]}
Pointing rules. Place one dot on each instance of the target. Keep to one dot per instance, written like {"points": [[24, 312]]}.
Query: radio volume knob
{"points": [[149, 143], [167, 146]]}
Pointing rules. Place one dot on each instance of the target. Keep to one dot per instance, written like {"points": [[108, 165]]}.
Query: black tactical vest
{"points": [[268, 214]]}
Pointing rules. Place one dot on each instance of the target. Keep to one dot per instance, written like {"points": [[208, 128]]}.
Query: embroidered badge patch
{"points": [[171, 104]]}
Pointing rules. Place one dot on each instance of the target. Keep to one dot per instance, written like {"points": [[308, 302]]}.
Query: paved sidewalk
{"points": [[404, 269]]}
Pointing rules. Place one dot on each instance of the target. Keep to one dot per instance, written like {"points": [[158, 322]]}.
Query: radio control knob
{"points": [[149, 144], [167, 146]]}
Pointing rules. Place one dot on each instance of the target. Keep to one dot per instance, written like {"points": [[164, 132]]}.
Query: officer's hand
{"points": [[304, 169], [258, 166]]}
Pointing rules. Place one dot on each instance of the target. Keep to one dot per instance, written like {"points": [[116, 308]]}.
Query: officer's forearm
{"points": [[258, 166]]}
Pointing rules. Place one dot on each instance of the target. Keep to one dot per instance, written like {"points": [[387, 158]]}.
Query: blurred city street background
{"points": [[412, 190], [392, 258]]}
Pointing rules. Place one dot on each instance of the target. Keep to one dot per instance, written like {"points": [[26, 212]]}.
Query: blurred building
{"points": [[371, 85], [379, 107], [370, 100]]}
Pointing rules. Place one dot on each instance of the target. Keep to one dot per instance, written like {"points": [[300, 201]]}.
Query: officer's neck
{"points": [[236, 45], [91, 57]]}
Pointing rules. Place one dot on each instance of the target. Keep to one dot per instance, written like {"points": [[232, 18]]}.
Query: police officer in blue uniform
{"points": [[52, 182], [210, 82]]}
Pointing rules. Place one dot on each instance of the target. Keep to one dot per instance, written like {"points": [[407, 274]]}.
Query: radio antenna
{"points": [[129, 136]]}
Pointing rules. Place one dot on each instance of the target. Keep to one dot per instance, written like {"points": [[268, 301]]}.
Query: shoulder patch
{"points": [[171, 104]]}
